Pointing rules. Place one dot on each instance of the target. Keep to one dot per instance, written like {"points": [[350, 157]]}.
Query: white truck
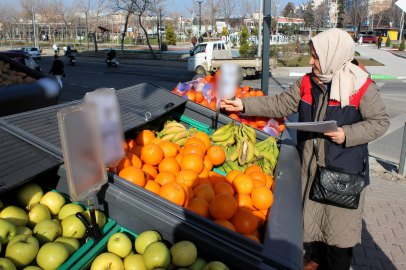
{"points": [[206, 58]]}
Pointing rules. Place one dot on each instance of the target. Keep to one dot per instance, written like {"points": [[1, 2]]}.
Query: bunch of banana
{"points": [[176, 132], [225, 135], [269, 145]]}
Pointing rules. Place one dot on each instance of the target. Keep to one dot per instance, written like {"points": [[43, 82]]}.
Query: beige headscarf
{"points": [[335, 49]]}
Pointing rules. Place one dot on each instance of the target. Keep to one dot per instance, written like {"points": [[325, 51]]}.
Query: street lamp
{"points": [[200, 16]]}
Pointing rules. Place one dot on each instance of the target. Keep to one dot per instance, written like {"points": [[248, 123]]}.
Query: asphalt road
{"points": [[88, 76]]}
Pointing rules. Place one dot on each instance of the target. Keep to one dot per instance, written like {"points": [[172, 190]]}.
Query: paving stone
{"points": [[378, 229], [399, 233], [390, 247], [375, 263], [380, 215], [393, 218], [378, 210], [388, 265], [397, 258], [359, 250], [360, 267], [365, 234], [374, 254], [394, 240], [389, 224], [368, 243], [403, 248], [400, 266], [371, 221], [360, 260], [379, 237]]}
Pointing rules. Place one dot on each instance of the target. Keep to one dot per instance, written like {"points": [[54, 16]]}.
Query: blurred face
{"points": [[314, 60]]}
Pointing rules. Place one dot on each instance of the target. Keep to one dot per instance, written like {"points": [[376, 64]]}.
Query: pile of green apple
{"points": [[151, 253], [43, 232]]}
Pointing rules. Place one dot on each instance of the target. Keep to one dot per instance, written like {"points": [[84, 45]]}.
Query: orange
{"points": [[189, 193], [216, 154], [179, 157], [192, 162], [126, 147], [124, 163], [204, 138], [194, 148], [136, 150], [209, 78], [131, 142], [191, 96], [212, 104], [264, 211], [259, 93], [208, 163], [150, 171], [199, 97], [177, 146], [152, 154], [205, 192], [261, 121], [252, 168], [246, 95], [205, 181], [134, 175], [174, 193], [188, 177], [225, 223], [156, 141], [243, 201], [261, 218], [244, 221], [169, 149], [181, 150], [231, 175], [269, 181], [145, 137], [152, 186], [258, 183], [201, 206], [196, 140], [252, 237], [256, 175], [243, 184], [169, 165], [205, 103], [135, 161], [223, 187], [204, 174], [223, 206], [234, 116], [165, 177], [262, 197], [190, 209], [257, 234], [217, 178], [246, 89]]}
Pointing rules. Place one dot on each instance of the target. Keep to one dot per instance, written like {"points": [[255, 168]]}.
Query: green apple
{"points": [[146, 238], [54, 201], [107, 261], [71, 244], [184, 253], [23, 230], [216, 265], [6, 264], [15, 215], [22, 250], [69, 209], [47, 231], [171, 267], [134, 262], [156, 255], [119, 244], [199, 264], [57, 222], [73, 227], [52, 255], [29, 194], [100, 218], [36, 213], [7, 231], [32, 268]]}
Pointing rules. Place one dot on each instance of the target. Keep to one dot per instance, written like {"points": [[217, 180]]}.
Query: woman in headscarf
{"points": [[336, 90]]}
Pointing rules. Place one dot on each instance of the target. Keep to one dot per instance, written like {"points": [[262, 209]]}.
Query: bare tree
{"points": [[158, 8], [6, 22], [321, 14], [30, 7], [275, 10], [227, 10], [142, 7], [68, 15], [378, 9], [358, 13]]}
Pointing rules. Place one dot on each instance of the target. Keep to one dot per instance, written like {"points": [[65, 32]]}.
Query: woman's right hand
{"points": [[232, 105]]}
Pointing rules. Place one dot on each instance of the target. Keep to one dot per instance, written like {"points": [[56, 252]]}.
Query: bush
{"points": [[402, 45], [224, 32], [388, 42], [244, 44], [395, 46], [170, 35]]}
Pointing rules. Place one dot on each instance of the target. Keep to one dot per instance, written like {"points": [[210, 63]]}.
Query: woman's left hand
{"points": [[337, 137]]}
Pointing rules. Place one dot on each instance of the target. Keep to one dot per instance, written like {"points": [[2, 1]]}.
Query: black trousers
{"points": [[379, 45], [330, 257]]}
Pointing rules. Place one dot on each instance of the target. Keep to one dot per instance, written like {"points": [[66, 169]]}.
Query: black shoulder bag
{"points": [[336, 188]]}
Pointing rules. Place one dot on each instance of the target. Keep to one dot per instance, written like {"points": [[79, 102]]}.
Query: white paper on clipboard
{"points": [[321, 127]]}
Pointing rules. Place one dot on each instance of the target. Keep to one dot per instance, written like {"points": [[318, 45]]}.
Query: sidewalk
{"points": [[140, 62]]}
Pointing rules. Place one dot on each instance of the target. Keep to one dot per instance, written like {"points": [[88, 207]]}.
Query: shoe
{"points": [[309, 265]]}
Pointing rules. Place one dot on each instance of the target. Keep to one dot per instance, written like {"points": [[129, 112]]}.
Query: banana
{"points": [[242, 158], [250, 135], [236, 152], [268, 168], [230, 141], [173, 124], [233, 166], [226, 167], [262, 147], [172, 129], [181, 142], [221, 137], [250, 151], [270, 158], [256, 151], [252, 130], [193, 131], [180, 135], [276, 152], [168, 137], [224, 128]]}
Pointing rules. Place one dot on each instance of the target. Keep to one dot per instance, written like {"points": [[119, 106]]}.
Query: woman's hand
{"points": [[337, 137], [232, 105]]}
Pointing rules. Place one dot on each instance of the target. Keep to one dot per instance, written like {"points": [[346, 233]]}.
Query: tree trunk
{"points": [[123, 36], [159, 40], [96, 53], [146, 36]]}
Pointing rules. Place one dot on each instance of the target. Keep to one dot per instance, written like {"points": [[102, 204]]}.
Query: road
{"points": [[88, 76]]}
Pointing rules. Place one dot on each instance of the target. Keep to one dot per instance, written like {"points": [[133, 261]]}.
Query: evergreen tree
{"points": [[388, 42], [341, 14], [289, 11], [224, 32], [402, 45], [170, 35], [244, 44]]}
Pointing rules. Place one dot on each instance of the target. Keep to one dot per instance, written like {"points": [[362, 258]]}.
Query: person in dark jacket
{"points": [[200, 39], [379, 42], [111, 54], [57, 70]]}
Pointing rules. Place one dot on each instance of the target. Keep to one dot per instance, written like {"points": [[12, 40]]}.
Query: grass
{"points": [[304, 61], [356, 54]]}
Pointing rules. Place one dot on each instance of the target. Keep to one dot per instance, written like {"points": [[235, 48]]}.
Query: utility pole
{"points": [[87, 32], [200, 16], [34, 27], [265, 48], [261, 12], [401, 26]]}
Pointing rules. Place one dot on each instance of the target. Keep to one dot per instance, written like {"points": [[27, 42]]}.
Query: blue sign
{"points": [[356, 28]]}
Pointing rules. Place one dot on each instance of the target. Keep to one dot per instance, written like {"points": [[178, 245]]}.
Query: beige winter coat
{"points": [[329, 224]]}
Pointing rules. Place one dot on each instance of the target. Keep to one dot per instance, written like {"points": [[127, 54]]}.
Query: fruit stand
{"points": [[137, 209]]}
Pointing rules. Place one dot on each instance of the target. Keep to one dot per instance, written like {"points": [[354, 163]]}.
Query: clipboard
{"points": [[321, 127]]}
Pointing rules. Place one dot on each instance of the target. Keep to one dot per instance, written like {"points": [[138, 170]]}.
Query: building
{"points": [[283, 20]]}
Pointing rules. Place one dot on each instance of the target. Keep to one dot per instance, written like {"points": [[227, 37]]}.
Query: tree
{"points": [[289, 11], [244, 44], [275, 6], [170, 35], [227, 10], [402, 45], [142, 7], [69, 16], [341, 14], [388, 42], [358, 13], [320, 15], [224, 32]]}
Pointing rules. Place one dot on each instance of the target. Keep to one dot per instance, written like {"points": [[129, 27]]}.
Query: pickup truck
{"points": [[206, 58]]}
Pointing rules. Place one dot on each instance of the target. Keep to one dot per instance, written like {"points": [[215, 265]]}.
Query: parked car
{"points": [[33, 51], [369, 39], [23, 59], [18, 51]]}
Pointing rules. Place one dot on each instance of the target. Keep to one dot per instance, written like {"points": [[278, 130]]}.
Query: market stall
{"points": [[138, 210]]}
